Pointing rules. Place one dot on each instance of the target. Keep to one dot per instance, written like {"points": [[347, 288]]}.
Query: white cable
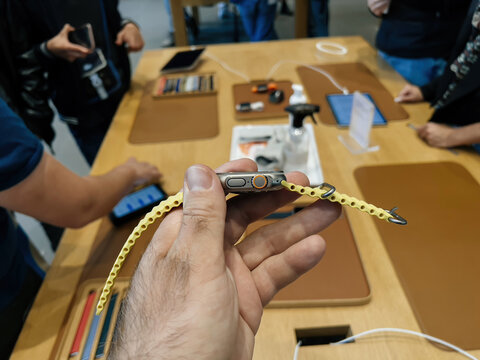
{"points": [[275, 67], [226, 67], [295, 354], [331, 48], [410, 332]]}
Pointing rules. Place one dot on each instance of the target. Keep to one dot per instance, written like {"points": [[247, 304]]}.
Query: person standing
{"points": [[416, 37], [86, 86]]}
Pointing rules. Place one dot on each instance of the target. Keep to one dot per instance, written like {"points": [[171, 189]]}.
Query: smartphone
{"points": [[342, 105], [83, 35], [92, 63], [137, 203], [182, 61]]}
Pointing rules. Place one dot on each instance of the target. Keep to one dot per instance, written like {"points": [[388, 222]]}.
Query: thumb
{"points": [[404, 95], [204, 211], [119, 40]]}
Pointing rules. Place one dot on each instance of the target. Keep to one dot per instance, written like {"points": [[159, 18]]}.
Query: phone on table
{"points": [[83, 36], [342, 105], [137, 203], [182, 61]]}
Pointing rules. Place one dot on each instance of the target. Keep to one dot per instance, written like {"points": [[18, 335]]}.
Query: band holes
{"points": [[121, 258], [131, 241], [380, 216], [372, 211], [116, 266], [159, 213], [136, 233], [332, 197], [167, 208], [292, 187], [343, 201], [144, 226], [110, 282], [302, 190], [362, 207], [352, 203], [312, 193], [176, 202]]}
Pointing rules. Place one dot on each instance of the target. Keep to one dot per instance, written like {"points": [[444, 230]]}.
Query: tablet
{"points": [[341, 106], [182, 61]]}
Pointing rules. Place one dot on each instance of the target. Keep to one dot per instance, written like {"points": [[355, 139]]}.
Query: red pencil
{"points": [[83, 324]]}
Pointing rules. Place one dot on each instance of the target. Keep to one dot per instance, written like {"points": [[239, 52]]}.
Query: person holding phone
{"points": [[199, 294], [86, 100], [32, 182]]}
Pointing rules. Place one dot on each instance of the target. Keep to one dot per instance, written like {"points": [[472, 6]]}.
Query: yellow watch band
{"points": [[324, 191]]}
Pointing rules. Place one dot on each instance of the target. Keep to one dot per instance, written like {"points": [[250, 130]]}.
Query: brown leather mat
{"points": [[353, 76], [174, 118], [243, 93], [339, 278], [436, 254]]}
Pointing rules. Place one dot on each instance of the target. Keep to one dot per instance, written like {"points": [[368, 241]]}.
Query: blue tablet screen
{"points": [[341, 106]]}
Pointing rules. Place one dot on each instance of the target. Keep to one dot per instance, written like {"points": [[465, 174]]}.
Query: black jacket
{"points": [[462, 107], [43, 20], [421, 28], [25, 89]]}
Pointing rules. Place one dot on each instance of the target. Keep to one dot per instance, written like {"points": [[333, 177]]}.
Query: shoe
{"points": [[285, 10], [169, 41]]}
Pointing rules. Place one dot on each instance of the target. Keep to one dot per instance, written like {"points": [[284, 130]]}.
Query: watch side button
{"points": [[236, 182]]}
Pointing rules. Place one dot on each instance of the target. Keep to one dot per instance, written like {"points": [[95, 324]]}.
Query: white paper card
{"points": [[361, 120]]}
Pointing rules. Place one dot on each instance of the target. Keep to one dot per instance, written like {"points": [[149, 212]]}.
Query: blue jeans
{"points": [[258, 17], [416, 71], [318, 18]]}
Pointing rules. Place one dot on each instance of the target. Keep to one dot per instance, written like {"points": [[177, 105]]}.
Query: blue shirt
{"points": [[20, 154]]}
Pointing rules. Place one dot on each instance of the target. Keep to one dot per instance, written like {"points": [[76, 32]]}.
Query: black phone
{"points": [[182, 61], [137, 203], [83, 35]]}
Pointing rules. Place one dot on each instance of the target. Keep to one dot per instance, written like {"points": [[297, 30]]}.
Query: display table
{"points": [[388, 306]]}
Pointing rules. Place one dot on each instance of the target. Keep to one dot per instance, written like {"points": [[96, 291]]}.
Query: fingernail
{"points": [[397, 99], [198, 178]]}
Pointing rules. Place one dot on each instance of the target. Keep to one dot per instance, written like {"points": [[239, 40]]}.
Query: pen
{"points": [[411, 126], [82, 325]]}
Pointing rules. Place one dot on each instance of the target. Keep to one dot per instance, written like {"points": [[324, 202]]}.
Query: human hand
{"points": [[144, 172], [61, 47], [197, 295], [378, 7], [410, 93], [131, 36], [437, 135]]}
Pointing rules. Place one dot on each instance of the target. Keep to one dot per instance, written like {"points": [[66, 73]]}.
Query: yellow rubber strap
{"points": [[325, 192], [157, 212], [342, 199]]}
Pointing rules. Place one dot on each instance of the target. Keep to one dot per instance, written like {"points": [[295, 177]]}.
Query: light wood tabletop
{"points": [[276, 339]]}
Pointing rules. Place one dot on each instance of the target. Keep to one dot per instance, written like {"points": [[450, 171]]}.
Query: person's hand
{"points": [[144, 172], [410, 93], [437, 135], [378, 7], [131, 36], [197, 292], [61, 47]]}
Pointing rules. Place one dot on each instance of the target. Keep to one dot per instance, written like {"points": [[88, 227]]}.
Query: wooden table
{"points": [[388, 307]]}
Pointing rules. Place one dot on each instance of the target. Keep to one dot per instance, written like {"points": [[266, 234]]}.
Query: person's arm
{"points": [[55, 195], [443, 136], [198, 295]]}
